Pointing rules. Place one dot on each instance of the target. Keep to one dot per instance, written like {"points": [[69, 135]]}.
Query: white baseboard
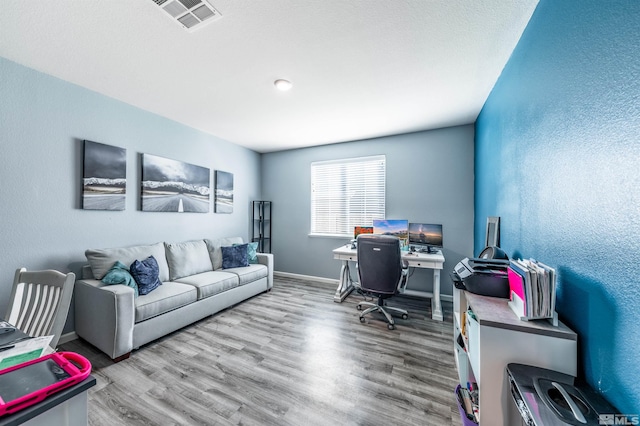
{"points": [[67, 337], [305, 277], [443, 297]]}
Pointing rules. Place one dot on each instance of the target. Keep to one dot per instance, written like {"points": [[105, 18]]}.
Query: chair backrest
{"points": [[40, 301], [379, 263]]}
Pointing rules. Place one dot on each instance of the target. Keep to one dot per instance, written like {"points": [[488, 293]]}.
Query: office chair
{"points": [[40, 302], [380, 269]]}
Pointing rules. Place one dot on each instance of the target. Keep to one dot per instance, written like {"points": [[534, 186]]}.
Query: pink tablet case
{"points": [[76, 367]]}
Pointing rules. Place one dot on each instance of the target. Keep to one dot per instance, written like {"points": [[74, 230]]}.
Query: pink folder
{"points": [[516, 285]]}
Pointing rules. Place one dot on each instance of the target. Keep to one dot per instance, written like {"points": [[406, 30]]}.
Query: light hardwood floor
{"points": [[291, 356]]}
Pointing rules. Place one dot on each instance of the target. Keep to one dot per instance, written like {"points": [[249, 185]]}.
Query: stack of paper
{"points": [[23, 350], [533, 289]]}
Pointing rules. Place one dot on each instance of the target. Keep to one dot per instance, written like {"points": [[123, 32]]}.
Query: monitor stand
{"points": [[429, 250]]}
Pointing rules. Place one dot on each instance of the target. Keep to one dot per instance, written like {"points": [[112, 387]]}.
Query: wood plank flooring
{"points": [[291, 356]]}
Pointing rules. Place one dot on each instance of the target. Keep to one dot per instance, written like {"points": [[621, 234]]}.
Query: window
{"points": [[346, 193]]}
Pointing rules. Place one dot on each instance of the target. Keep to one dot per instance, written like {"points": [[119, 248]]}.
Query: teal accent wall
{"points": [[557, 158], [43, 121]]}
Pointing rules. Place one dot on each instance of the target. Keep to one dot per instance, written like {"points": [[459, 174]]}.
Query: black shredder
{"points": [[549, 398]]}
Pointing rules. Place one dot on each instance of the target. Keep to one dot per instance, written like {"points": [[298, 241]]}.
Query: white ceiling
{"points": [[360, 68]]}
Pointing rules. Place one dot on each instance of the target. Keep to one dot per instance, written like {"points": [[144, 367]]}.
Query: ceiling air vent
{"points": [[189, 14]]}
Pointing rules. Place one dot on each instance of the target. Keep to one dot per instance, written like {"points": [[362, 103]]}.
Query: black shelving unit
{"points": [[261, 225]]}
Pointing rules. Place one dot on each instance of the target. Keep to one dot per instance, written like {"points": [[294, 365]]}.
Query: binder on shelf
{"points": [[517, 300], [532, 286]]}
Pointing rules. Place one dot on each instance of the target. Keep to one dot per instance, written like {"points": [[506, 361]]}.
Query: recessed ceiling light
{"points": [[283, 85]]}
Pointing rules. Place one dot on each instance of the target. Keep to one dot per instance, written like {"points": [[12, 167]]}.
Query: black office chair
{"points": [[380, 269]]}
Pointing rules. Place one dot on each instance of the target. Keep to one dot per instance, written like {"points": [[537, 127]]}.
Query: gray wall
{"points": [[43, 123], [430, 179]]}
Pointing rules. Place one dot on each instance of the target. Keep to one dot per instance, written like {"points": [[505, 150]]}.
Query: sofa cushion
{"points": [[101, 260], [145, 272], [169, 296], [212, 282], [249, 274], [187, 258], [235, 256], [119, 274], [215, 249]]}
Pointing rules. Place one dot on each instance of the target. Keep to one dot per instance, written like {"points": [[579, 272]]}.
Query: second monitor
{"points": [[394, 227], [427, 236]]}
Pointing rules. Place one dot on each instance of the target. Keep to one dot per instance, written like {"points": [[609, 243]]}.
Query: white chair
{"points": [[40, 301]]}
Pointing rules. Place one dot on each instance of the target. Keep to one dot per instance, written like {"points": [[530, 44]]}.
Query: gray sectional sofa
{"points": [[194, 286]]}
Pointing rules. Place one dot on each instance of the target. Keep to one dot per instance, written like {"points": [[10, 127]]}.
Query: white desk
{"points": [[415, 260]]}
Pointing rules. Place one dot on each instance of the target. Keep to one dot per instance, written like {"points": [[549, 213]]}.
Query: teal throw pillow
{"points": [[235, 256], [252, 252], [119, 274]]}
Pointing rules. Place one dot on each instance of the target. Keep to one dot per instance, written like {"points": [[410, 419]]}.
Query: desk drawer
{"points": [[424, 264], [352, 258]]}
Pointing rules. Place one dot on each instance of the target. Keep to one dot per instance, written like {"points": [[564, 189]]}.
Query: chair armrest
{"points": [[267, 260], [105, 316]]}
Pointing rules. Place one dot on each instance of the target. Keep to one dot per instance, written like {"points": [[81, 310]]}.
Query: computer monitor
{"points": [[427, 236], [357, 230], [397, 228]]}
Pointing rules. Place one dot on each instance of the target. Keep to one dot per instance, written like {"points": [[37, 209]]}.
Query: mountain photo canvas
{"points": [[174, 186], [104, 183], [224, 192]]}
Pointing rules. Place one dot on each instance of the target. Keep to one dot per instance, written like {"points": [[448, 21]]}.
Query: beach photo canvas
{"points": [[174, 186], [104, 177], [396, 228]]}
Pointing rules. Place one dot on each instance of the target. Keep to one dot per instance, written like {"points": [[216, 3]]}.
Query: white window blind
{"points": [[347, 193]]}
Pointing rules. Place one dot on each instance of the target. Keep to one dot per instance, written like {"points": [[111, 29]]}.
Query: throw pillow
{"points": [[119, 274], [102, 259], [146, 274], [252, 252], [235, 256]]}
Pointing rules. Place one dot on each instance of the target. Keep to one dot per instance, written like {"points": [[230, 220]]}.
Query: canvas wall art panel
{"points": [[224, 192], [104, 177], [174, 186]]}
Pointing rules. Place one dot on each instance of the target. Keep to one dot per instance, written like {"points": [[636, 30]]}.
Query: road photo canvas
{"points": [[174, 186], [104, 183], [224, 192]]}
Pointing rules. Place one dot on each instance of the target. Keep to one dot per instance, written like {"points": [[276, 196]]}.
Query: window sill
{"points": [[342, 236]]}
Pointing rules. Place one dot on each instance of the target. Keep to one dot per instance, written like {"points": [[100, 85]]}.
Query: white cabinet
{"points": [[496, 337]]}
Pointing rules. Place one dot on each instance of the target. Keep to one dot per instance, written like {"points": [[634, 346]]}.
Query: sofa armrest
{"points": [[105, 316], [267, 260]]}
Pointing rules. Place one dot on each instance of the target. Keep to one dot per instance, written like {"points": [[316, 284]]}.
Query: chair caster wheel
{"points": [[405, 316], [362, 319], [391, 326], [359, 307]]}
